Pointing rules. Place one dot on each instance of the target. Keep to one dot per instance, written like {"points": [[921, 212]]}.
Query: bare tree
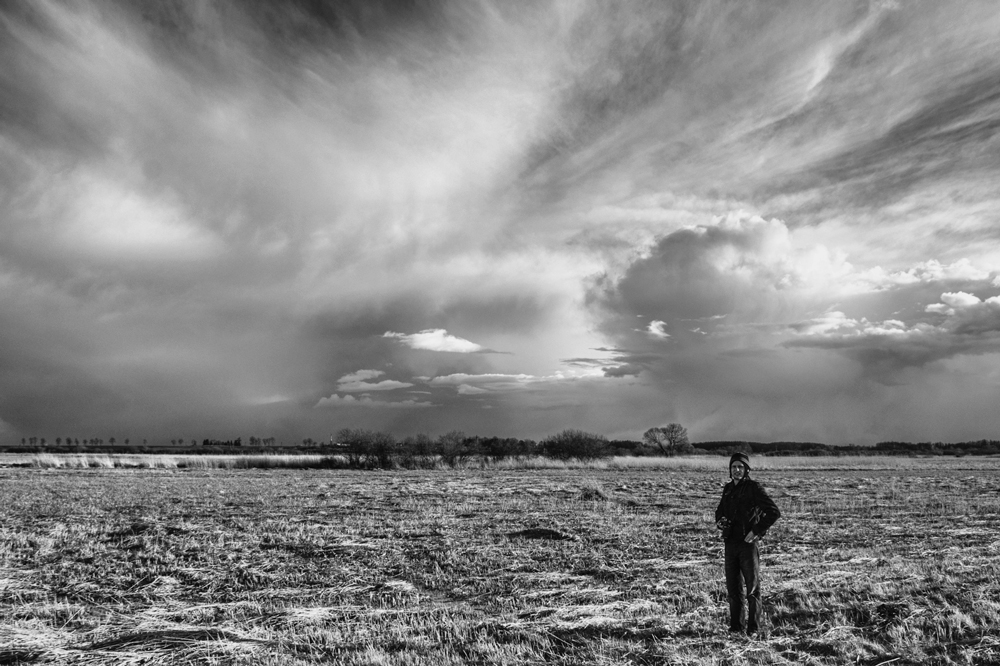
{"points": [[672, 439]]}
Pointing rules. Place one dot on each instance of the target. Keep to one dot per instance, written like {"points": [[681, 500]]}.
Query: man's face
{"points": [[737, 470]]}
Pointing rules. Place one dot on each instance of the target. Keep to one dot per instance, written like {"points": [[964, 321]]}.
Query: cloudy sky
{"points": [[764, 220]]}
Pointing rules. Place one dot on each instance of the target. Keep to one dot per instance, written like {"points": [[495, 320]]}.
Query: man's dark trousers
{"points": [[743, 584]]}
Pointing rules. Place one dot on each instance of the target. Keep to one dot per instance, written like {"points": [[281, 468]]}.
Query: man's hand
{"points": [[722, 523], [750, 537]]}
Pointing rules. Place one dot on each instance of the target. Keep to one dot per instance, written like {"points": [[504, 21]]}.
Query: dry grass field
{"points": [[876, 561]]}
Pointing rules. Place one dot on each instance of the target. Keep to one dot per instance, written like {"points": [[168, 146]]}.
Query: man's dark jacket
{"points": [[747, 507]]}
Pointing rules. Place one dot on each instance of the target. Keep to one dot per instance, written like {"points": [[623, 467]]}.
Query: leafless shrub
{"points": [[454, 448], [368, 449], [577, 444]]}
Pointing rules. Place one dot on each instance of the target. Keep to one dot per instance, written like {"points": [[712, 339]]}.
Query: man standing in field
{"points": [[744, 515]]}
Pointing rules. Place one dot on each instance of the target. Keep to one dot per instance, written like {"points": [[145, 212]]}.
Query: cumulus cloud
{"points": [[500, 383], [968, 315], [838, 325], [335, 400], [931, 271], [658, 329], [726, 292], [951, 303], [825, 324], [741, 267], [357, 382], [360, 376], [385, 385], [493, 380], [966, 325], [436, 339], [743, 274]]}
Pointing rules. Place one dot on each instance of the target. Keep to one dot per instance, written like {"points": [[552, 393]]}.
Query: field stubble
{"points": [[599, 566]]}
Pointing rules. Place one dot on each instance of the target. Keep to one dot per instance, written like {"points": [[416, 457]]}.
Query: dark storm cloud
{"points": [[706, 313], [702, 274]]}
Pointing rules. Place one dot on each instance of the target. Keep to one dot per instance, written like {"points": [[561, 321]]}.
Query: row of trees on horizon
{"points": [[671, 439], [376, 448]]}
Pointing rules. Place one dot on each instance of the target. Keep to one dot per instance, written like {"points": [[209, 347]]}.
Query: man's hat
{"points": [[740, 457]]}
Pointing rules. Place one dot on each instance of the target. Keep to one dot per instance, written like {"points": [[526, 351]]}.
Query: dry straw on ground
{"points": [[612, 565]]}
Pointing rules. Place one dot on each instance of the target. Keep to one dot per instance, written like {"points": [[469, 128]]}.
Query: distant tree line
{"points": [[70, 441], [728, 447], [373, 449], [978, 448], [379, 450], [981, 447], [230, 442]]}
